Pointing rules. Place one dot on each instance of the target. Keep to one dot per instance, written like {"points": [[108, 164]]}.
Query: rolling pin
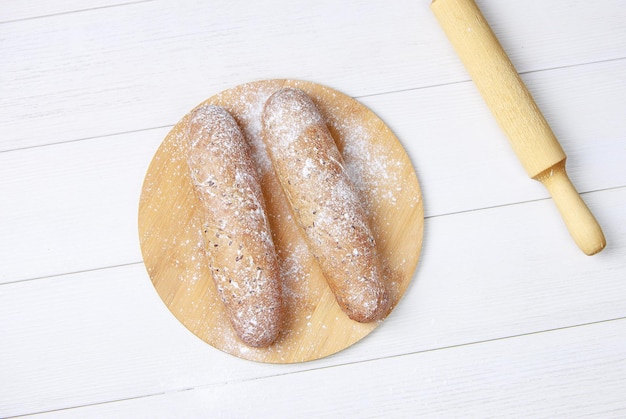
{"points": [[517, 114]]}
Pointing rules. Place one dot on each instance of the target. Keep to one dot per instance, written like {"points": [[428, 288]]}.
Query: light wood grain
{"points": [[556, 374], [120, 69], [127, 344], [84, 195], [170, 228], [444, 155]]}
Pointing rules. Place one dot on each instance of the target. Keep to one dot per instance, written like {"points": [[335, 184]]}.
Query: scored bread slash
{"points": [[237, 236], [325, 203]]}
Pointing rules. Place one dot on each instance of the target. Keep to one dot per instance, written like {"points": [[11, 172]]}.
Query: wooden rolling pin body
{"points": [[517, 114]]}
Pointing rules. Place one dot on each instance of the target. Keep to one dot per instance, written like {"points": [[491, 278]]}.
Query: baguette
{"points": [[325, 203], [237, 236]]}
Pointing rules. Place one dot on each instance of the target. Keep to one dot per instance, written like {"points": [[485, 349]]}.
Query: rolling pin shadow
{"points": [[517, 114]]}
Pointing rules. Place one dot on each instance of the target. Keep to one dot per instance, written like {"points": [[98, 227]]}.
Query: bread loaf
{"points": [[325, 203], [237, 236]]}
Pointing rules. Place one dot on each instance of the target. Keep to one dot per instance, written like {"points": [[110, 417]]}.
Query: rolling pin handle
{"points": [[580, 222]]}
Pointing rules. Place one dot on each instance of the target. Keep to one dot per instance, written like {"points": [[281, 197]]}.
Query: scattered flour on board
{"points": [[373, 171], [370, 166]]}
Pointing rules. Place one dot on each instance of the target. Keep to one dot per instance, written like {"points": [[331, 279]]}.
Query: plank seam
{"points": [[547, 198], [201, 387], [99, 268], [468, 80], [354, 97], [97, 137], [69, 12]]}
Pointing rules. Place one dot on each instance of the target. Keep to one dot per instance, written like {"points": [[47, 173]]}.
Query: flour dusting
{"points": [[376, 176], [325, 202]]}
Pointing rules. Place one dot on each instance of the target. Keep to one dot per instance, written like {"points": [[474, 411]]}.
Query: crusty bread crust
{"points": [[325, 203], [237, 236]]}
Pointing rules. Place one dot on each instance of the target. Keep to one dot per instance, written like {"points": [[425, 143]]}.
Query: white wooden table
{"points": [[504, 317]]}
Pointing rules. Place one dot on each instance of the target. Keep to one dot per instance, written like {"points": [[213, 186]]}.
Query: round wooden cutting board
{"points": [[314, 326]]}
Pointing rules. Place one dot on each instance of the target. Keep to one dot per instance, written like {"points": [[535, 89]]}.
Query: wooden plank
{"points": [[565, 373], [72, 207], [105, 335], [463, 163], [144, 65]]}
